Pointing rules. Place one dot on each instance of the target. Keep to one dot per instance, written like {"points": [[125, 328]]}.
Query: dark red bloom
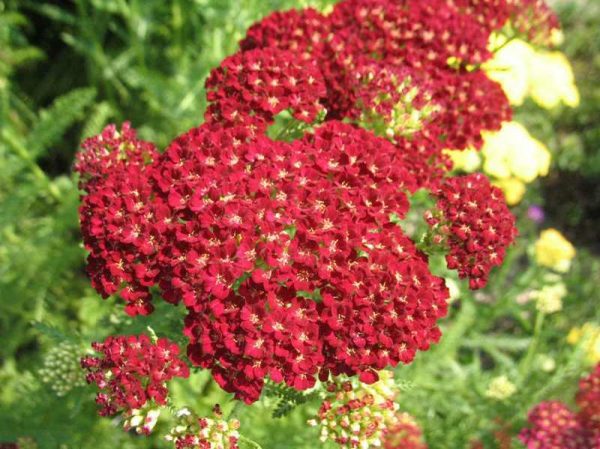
{"points": [[588, 400], [284, 254], [304, 32], [252, 87], [118, 217], [303, 273], [131, 371], [553, 426], [473, 218], [532, 20]]}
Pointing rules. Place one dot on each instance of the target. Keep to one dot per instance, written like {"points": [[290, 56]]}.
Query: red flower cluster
{"points": [[409, 32], [533, 20], [410, 40], [405, 433], [588, 400], [554, 426], [251, 88], [284, 253], [325, 283], [303, 32], [118, 217], [131, 371], [473, 219]]}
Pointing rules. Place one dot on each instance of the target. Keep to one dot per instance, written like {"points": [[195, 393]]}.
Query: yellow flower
{"points": [[500, 388], [551, 80], [589, 336], [552, 250], [513, 189], [510, 67], [465, 160], [549, 298], [513, 152]]}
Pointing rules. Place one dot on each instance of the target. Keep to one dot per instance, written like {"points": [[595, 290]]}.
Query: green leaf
{"points": [[51, 331], [289, 398], [360, 253], [54, 121], [97, 119], [291, 231], [314, 295], [395, 219], [239, 281]]}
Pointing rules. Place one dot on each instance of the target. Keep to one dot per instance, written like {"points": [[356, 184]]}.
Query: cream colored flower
{"points": [[500, 388], [549, 298]]}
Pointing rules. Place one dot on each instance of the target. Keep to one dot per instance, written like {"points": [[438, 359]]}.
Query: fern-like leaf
{"points": [[289, 398], [97, 119], [54, 121]]}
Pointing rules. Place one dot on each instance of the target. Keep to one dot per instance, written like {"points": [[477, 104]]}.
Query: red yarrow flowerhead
{"points": [[410, 32], [250, 88], [553, 426], [472, 217], [283, 253], [402, 37], [132, 370], [294, 269], [111, 151], [532, 20], [588, 400], [304, 32], [118, 216]]}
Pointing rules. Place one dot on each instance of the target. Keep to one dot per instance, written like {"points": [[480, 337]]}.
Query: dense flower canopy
{"points": [[287, 255]]}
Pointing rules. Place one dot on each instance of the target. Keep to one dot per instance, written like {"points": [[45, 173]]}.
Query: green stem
{"points": [[234, 409], [37, 172], [250, 442], [461, 325], [525, 367], [499, 279]]}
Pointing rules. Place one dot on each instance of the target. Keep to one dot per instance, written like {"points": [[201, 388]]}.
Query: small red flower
{"points": [[252, 87], [473, 217], [131, 371], [588, 400], [553, 425]]}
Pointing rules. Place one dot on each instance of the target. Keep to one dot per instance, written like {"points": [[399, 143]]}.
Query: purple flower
{"points": [[536, 214]]}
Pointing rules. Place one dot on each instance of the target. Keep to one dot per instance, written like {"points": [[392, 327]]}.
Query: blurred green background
{"points": [[68, 68]]}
